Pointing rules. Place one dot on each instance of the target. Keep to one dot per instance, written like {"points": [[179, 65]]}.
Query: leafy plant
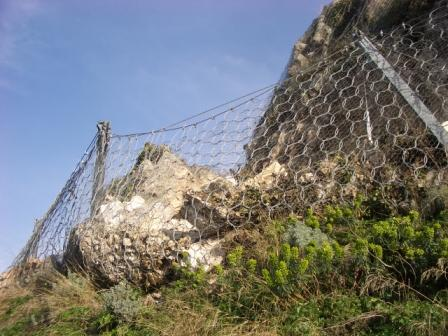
{"points": [[122, 302]]}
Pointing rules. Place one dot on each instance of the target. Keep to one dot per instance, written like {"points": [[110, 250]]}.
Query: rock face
{"points": [[336, 104], [165, 220]]}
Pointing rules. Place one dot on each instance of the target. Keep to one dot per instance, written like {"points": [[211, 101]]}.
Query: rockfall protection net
{"points": [[366, 120]]}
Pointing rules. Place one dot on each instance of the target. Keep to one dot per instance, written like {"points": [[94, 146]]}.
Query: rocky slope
{"points": [[355, 268], [329, 88], [313, 146], [337, 105]]}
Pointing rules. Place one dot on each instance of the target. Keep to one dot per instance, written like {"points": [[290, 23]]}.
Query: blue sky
{"points": [[66, 64]]}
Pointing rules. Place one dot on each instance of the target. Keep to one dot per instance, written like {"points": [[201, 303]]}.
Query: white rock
{"points": [[206, 253], [306, 178], [112, 213], [231, 179], [136, 202], [268, 176]]}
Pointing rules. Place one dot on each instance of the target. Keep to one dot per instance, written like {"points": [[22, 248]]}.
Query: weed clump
{"points": [[123, 301]]}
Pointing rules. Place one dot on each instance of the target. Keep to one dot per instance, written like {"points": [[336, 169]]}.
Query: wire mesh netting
{"points": [[366, 120]]}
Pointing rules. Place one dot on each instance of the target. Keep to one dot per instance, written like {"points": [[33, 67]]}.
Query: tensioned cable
{"points": [[264, 90], [175, 127]]}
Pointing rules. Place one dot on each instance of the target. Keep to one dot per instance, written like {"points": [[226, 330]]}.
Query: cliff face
{"points": [[336, 97], [339, 121]]}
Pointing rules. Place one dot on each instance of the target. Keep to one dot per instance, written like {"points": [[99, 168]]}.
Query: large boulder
{"points": [[169, 212]]}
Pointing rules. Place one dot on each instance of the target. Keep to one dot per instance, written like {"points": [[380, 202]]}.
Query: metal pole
{"points": [[102, 145], [405, 90]]}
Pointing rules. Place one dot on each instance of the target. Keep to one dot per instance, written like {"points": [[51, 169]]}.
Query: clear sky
{"points": [[142, 64]]}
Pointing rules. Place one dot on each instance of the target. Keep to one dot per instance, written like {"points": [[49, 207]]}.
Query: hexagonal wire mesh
{"points": [[348, 126]]}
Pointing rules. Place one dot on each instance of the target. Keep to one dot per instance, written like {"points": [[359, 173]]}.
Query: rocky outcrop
{"points": [[163, 212], [170, 217], [337, 105]]}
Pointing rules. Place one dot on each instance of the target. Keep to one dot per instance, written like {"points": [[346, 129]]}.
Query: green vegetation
{"points": [[338, 272]]}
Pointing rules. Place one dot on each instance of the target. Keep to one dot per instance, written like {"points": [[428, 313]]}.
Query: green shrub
{"points": [[298, 233], [122, 302]]}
